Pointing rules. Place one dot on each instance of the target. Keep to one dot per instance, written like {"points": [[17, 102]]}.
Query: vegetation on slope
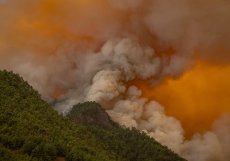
{"points": [[90, 113], [30, 130]]}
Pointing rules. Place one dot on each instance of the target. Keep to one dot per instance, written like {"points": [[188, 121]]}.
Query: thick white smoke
{"points": [[120, 61], [82, 72]]}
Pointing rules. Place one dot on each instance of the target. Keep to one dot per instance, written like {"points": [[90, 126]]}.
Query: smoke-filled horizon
{"points": [[161, 66]]}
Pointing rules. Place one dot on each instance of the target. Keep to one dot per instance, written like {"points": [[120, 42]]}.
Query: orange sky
{"points": [[197, 98]]}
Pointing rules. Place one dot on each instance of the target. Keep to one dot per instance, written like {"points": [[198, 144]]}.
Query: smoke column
{"points": [[161, 66]]}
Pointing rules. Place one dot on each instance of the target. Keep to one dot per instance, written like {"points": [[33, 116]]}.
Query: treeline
{"points": [[30, 130]]}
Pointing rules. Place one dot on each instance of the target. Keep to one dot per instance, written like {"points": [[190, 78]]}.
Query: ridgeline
{"points": [[31, 130]]}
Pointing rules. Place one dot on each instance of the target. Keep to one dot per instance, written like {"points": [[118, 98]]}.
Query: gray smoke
{"points": [[90, 53]]}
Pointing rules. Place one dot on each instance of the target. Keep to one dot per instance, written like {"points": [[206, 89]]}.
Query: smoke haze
{"points": [[74, 51]]}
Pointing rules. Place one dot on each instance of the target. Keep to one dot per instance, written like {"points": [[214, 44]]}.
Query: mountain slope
{"points": [[31, 130]]}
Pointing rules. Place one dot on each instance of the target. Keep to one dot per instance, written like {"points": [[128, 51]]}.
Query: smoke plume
{"points": [[92, 50]]}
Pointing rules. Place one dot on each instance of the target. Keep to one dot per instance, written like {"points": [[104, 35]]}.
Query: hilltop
{"points": [[31, 130]]}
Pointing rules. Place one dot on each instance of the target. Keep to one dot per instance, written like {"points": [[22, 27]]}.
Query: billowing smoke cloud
{"points": [[90, 50], [111, 68], [201, 25]]}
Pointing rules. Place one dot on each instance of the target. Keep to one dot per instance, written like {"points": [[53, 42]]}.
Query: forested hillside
{"points": [[30, 130]]}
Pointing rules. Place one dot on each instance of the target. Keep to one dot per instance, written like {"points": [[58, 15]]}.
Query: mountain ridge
{"points": [[31, 130]]}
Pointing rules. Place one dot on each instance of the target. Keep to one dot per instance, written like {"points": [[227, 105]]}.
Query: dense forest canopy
{"points": [[31, 130]]}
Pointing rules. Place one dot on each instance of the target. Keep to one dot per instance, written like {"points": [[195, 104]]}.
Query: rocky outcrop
{"points": [[90, 113]]}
